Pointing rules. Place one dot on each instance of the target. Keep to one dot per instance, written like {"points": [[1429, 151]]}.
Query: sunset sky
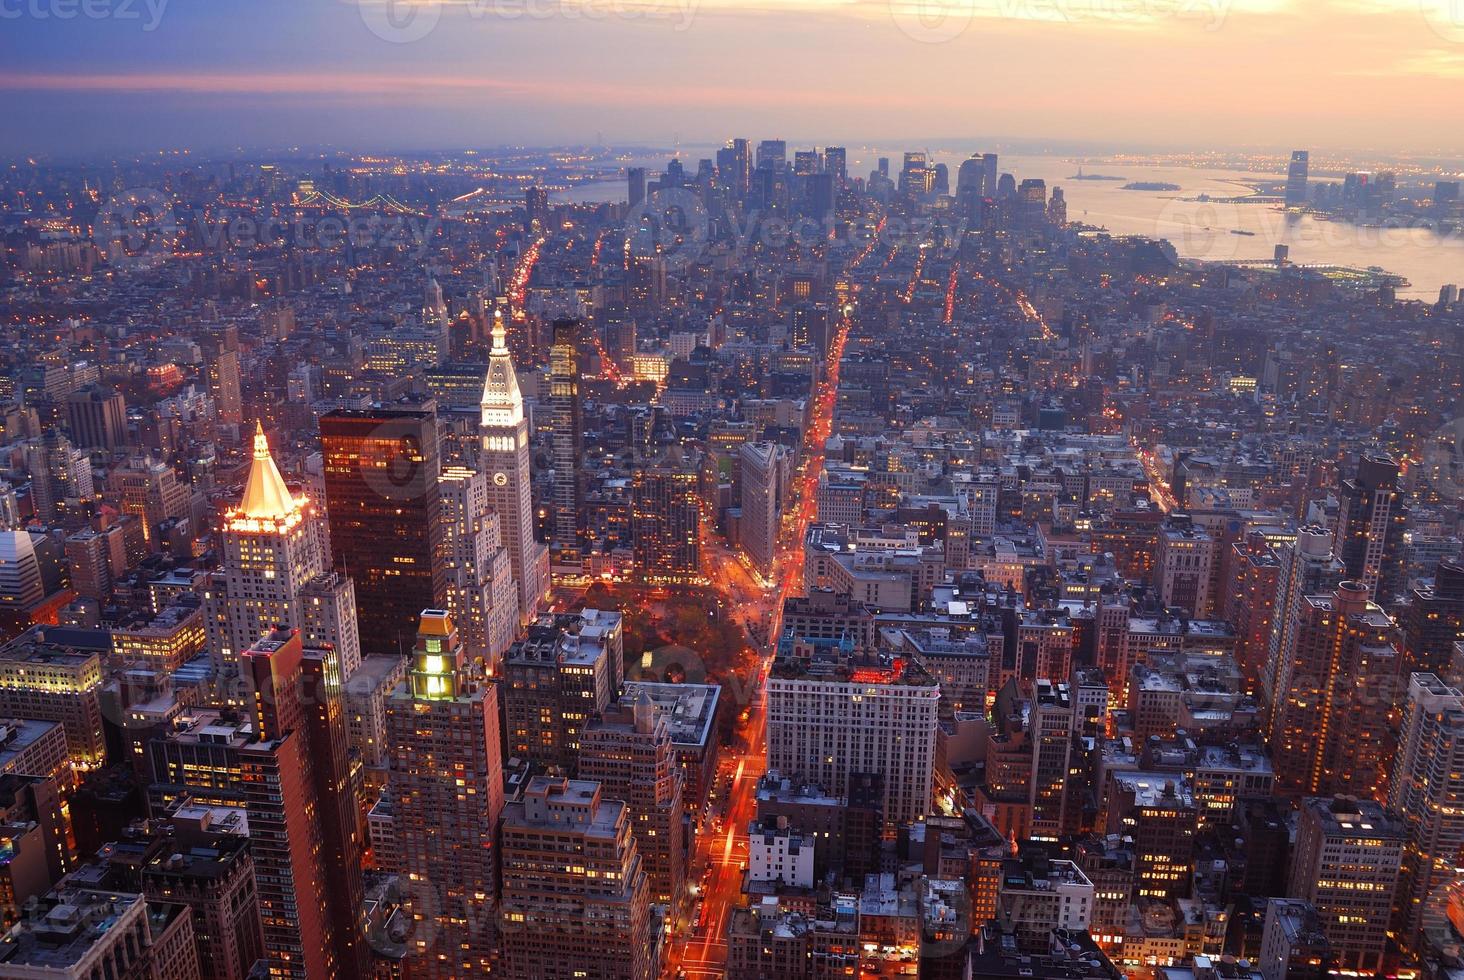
{"points": [[208, 74]]}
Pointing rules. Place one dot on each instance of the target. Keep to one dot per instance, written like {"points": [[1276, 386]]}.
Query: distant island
{"points": [[1149, 185], [1082, 176]]}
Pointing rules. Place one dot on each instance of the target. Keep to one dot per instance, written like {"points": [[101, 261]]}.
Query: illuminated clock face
{"points": [[500, 478]]}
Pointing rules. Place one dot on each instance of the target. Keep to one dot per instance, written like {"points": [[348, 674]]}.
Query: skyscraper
{"points": [[1370, 525], [666, 521], [836, 163], [285, 766], [1329, 725], [1296, 174], [628, 751], [831, 716], [481, 597], [635, 178], [759, 466], [273, 544], [505, 460], [555, 680], [1424, 791], [1346, 863], [566, 439], [575, 897], [381, 476], [446, 785]]}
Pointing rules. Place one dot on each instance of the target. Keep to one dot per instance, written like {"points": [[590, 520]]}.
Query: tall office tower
{"points": [[915, 175], [1308, 567], [555, 680], [381, 473], [969, 176], [575, 897], [446, 786], [1050, 731], [20, 571], [328, 618], [628, 751], [990, 181], [1250, 602], [836, 163], [273, 544], [1370, 525], [1345, 863], [284, 765], [1296, 174], [481, 596], [1183, 563], [831, 715], [666, 521], [1424, 792], [321, 692], [772, 155], [759, 466], [97, 417], [1329, 728], [221, 353], [536, 209], [635, 178], [505, 459], [61, 474], [566, 440], [734, 167], [617, 331], [1433, 620]]}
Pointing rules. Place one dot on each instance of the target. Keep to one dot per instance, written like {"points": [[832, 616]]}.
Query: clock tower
{"points": [[504, 457]]}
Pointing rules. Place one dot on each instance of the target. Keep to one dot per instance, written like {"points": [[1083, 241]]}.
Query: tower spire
{"points": [[265, 495]]}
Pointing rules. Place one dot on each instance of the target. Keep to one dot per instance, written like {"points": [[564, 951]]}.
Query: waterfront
{"points": [[1198, 229]]}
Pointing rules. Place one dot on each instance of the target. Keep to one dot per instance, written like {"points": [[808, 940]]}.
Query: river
{"points": [[1199, 230]]}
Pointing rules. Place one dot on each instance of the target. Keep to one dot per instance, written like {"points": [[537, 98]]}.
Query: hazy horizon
{"points": [[89, 76]]}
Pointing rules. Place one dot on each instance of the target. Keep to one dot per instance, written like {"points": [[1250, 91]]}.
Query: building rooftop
{"points": [[689, 709]]}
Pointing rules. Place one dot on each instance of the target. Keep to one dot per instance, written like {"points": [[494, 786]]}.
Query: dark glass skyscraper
{"points": [[381, 471]]}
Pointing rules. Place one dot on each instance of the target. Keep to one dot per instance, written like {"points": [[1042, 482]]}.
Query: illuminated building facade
{"points": [[575, 897], [505, 460], [666, 523], [481, 597], [446, 787], [555, 680], [566, 439], [288, 767], [1424, 792], [381, 491], [1329, 728], [628, 751], [1346, 862], [273, 544], [828, 720]]}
